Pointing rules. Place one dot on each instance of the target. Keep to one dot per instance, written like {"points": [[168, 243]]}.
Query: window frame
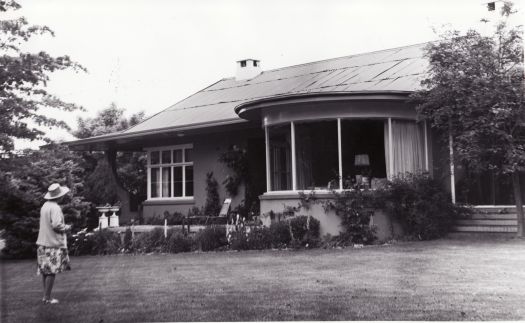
{"points": [[183, 165], [389, 164]]}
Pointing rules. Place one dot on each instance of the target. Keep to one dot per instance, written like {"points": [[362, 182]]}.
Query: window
{"points": [[170, 172], [363, 150], [316, 155], [280, 158], [243, 63]]}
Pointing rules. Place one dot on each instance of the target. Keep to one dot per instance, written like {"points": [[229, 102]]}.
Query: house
{"points": [[318, 126]]}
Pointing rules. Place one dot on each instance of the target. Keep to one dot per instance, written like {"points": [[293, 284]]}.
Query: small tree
{"points": [[213, 203], [474, 92]]}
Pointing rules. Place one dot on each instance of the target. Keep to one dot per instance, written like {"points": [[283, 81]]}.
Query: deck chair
{"points": [[225, 209]]}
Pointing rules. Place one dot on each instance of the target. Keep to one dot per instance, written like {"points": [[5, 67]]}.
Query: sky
{"points": [[146, 55]]}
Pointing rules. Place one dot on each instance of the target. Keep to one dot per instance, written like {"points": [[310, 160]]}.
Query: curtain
{"points": [[408, 147], [303, 147], [281, 167], [166, 182]]}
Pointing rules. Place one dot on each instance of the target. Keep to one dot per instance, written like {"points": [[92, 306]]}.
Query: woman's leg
{"points": [[50, 280], [44, 284]]}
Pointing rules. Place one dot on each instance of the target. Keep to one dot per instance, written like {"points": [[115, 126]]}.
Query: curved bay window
{"points": [[343, 153], [170, 172]]}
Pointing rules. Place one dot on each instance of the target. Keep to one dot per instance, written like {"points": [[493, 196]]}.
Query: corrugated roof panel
{"points": [[395, 69]]}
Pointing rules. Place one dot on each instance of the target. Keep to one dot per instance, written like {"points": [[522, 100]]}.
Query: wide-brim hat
{"points": [[55, 191]]}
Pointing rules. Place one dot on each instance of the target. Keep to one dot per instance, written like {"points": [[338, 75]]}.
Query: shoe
{"points": [[50, 301]]}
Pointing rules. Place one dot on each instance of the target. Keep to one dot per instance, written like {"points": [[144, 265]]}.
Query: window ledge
{"points": [[319, 193], [169, 201]]}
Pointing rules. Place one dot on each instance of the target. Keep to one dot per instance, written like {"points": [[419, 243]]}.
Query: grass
{"points": [[439, 280]]}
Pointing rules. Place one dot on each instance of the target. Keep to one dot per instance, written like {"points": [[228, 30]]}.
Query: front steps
{"points": [[489, 220]]}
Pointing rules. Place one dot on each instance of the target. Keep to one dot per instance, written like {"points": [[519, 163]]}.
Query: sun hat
{"points": [[55, 191]]}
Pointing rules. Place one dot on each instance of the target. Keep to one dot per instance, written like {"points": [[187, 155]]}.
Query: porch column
{"points": [[294, 170], [148, 170], [426, 145], [267, 146], [390, 150], [451, 157], [340, 153]]}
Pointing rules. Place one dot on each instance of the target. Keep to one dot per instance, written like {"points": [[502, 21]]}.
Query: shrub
{"points": [[422, 206], [176, 242], [303, 225], [128, 239], [355, 209], [151, 241], [251, 238], [102, 242], [305, 231], [280, 234], [211, 238]]}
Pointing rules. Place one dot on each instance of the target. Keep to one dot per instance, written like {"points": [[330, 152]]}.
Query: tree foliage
{"points": [[108, 120], [24, 180], [131, 166], [474, 94], [23, 80]]}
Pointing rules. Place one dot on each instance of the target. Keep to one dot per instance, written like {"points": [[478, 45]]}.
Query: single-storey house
{"points": [[318, 126]]}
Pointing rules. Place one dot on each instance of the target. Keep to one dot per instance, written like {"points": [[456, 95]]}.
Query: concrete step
{"points": [[485, 228], [495, 209], [487, 222], [492, 216], [481, 235]]}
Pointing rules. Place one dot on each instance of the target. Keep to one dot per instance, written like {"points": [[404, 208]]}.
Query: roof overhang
{"points": [[251, 110], [136, 141]]}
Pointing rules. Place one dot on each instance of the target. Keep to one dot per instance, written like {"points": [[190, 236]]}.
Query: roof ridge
{"points": [[340, 57], [299, 75]]}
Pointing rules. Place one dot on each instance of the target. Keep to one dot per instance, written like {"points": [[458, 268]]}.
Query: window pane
{"points": [[177, 156], [280, 158], [155, 182], [154, 155], [166, 157], [362, 138], [177, 181], [189, 155], [166, 181], [189, 180], [317, 156]]}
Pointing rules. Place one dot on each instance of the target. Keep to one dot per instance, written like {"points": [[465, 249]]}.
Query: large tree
{"points": [[23, 79], [474, 96], [131, 166]]}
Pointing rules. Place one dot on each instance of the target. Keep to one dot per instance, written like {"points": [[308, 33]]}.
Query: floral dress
{"points": [[52, 260]]}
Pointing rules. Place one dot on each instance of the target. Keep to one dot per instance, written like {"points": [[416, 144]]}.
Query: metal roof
{"points": [[386, 71]]}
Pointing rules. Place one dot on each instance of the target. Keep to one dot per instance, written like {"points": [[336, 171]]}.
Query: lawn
{"points": [[439, 280]]}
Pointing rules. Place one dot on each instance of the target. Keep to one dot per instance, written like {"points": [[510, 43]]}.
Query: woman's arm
{"points": [[57, 221]]}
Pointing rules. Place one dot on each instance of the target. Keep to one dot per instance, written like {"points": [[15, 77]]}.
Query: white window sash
{"points": [[170, 166]]}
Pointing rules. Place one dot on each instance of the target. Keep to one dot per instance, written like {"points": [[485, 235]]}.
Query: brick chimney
{"points": [[247, 69]]}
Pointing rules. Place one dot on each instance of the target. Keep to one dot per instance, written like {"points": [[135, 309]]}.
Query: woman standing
{"points": [[52, 252]]}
